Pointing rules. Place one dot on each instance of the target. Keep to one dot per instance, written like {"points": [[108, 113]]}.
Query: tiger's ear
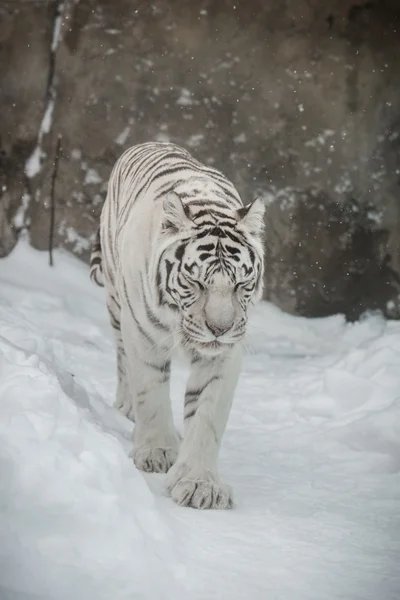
{"points": [[252, 216], [176, 215]]}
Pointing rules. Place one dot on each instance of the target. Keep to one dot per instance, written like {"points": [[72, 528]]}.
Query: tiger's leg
{"points": [[155, 439], [122, 400], [193, 480]]}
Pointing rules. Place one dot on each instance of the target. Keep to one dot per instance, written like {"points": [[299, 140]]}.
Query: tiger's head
{"points": [[210, 269]]}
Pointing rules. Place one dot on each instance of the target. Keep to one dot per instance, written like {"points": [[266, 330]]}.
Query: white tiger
{"points": [[181, 259]]}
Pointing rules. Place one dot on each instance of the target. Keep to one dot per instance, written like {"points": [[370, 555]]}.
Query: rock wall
{"points": [[298, 101]]}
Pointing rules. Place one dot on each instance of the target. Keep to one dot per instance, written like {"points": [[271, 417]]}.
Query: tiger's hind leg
{"points": [[122, 401]]}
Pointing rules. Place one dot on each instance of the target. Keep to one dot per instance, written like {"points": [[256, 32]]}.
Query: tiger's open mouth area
{"points": [[213, 346], [312, 449]]}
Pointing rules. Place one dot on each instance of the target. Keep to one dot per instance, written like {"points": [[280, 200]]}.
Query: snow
{"points": [[78, 243], [56, 33], [320, 139], [92, 177], [312, 450], [57, 27], [20, 216], [185, 99], [123, 136], [47, 118], [195, 140], [240, 139], [33, 164], [76, 154]]}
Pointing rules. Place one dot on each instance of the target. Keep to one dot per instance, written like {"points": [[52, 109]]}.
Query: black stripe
{"points": [[191, 397], [192, 394], [153, 166], [168, 266], [211, 212], [179, 252], [170, 171], [158, 284], [235, 237], [135, 161], [114, 322], [203, 234], [190, 414], [149, 313], [232, 250], [182, 284], [163, 368], [206, 203], [206, 247], [113, 299], [138, 325]]}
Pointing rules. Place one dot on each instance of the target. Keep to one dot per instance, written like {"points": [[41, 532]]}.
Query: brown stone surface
{"points": [[298, 101], [25, 35]]}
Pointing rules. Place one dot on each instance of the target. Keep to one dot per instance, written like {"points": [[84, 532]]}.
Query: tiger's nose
{"points": [[217, 330]]}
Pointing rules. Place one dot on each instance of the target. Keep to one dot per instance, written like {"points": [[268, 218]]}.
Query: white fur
{"points": [[135, 232]]}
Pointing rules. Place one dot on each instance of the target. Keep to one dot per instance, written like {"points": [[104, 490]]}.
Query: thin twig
{"points": [[52, 199]]}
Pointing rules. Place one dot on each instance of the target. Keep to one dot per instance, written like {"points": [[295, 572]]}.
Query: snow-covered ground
{"points": [[312, 451]]}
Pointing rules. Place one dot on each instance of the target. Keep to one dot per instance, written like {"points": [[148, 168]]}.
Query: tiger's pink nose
{"points": [[216, 330]]}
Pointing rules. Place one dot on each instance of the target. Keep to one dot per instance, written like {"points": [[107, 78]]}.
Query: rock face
{"points": [[25, 38], [297, 101]]}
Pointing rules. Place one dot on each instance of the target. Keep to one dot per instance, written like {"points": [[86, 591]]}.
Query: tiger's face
{"points": [[213, 270]]}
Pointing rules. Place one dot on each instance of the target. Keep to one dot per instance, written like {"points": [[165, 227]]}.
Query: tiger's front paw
{"points": [[155, 460], [198, 488]]}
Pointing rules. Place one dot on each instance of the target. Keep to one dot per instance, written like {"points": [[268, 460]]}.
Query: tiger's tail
{"points": [[96, 268]]}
